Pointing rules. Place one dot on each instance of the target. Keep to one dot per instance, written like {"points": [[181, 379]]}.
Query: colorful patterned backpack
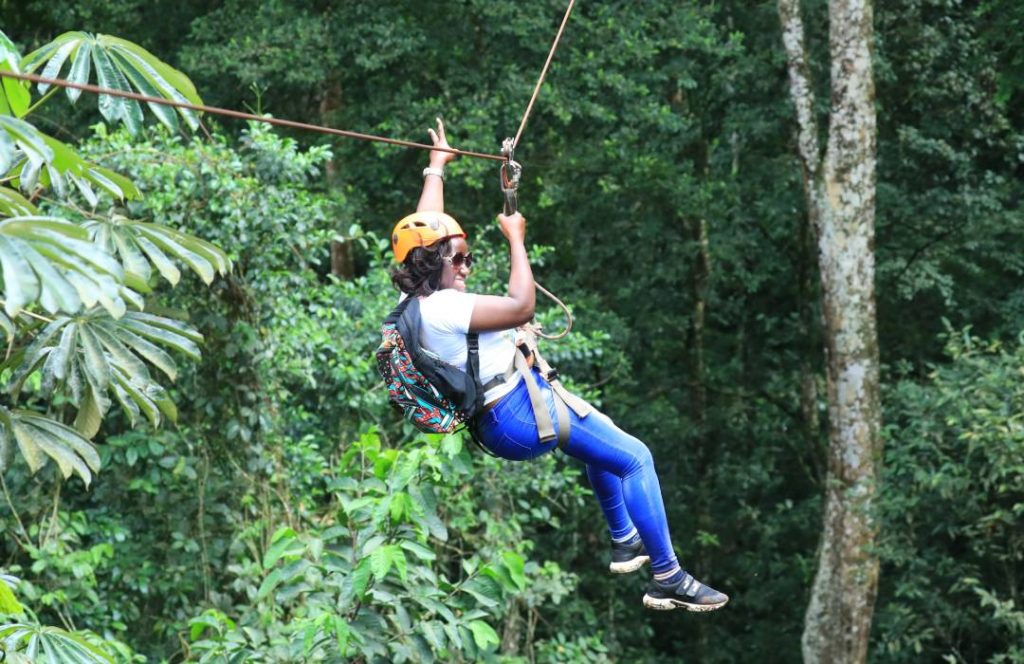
{"points": [[435, 396]]}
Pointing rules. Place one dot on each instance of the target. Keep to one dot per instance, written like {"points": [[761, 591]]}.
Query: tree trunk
{"points": [[342, 259], [840, 198]]}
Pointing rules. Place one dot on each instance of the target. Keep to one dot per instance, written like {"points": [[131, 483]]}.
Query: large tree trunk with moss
{"points": [[840, 199]]}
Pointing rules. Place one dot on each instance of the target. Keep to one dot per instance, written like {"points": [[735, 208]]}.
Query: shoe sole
{"points": [[629, 565], [668, 604]]}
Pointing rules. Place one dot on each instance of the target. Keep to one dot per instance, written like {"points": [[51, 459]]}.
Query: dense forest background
{"points": [[289, 516]]}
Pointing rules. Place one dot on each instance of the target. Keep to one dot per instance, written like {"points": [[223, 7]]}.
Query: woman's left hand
{"points": [[438, 158]]}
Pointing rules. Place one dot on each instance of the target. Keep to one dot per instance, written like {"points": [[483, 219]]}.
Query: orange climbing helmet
{"points": [[422, 229]]}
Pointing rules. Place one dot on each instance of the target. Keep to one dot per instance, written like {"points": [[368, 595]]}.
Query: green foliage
{"points": [[954, 524], [657, 119], [120, 65]]}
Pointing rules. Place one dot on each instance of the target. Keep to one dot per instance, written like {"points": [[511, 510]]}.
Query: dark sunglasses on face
{"points": [[458, 260]]}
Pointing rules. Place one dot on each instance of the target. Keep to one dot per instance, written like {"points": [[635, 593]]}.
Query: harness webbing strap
{"points": [[562, 413], [545, 427]]}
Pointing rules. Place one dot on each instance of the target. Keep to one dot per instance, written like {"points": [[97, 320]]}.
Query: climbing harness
{"points": [[562, 398]]}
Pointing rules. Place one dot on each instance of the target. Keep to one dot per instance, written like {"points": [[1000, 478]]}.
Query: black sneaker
{"points": [[688, 593], [628, 556]]}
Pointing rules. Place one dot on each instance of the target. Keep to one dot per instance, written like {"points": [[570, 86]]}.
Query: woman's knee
{"points": [[642, 457]]}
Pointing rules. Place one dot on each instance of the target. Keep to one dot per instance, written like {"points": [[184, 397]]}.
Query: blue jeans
{"points": [[620, 467]]}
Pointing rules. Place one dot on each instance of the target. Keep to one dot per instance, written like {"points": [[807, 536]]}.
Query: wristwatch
{"points": [[439, 172]]}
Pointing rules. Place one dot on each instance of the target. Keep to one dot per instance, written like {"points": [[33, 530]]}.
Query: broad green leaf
{"points": [[361, 577], [138, 393], [96, 367], [170, 245], [56, 63], [119, 65], [434, 634], [418, 550], [484, 589], [515, 565], [80, 68], [483, 634], [272, 581], [67, 436], [135, 264], [381, 562], [21, 285], [151, 352], [66, 459], [58, 361], [90, 416], [161, 335], [163, 264], [40, 437], [8, 602], [111, 355], [8, 153], [28, 139], [13, 204], [399, 561], [38, 254], [134, 241], [166, 114], [50, 645], [284, 543], [14, 94], [46, 161]]}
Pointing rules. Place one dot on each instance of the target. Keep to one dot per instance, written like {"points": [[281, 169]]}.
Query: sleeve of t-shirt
{"points": [[450, 310]]}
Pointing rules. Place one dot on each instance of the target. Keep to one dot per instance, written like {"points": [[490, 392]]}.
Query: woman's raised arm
{"points": [[501, 313], [432, 197]]}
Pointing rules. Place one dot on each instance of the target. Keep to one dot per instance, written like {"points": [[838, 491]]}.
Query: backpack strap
{"points": [[473, 367]]}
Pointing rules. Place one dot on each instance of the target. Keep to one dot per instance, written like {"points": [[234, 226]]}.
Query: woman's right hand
{"points": [[513, 226]]}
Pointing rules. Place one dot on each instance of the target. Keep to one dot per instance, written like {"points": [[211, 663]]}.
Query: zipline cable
{"points": [[213, 110], [543, 73], [511, 172]]}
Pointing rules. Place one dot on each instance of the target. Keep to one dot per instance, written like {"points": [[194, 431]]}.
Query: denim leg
{"points": [[607, 487], [600, 444], [620, 467]]}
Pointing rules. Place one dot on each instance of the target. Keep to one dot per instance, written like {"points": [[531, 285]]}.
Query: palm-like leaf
{"points": [[141, 244], [14, 95], [93, 355], [119, 65], [39, 437], [13, 204], [34, 158], [52, 261], [49, 645]]}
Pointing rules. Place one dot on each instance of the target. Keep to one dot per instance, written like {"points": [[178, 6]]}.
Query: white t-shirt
{"points": [[445, 318]]}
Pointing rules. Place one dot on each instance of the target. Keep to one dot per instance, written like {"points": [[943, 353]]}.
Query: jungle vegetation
{"points": [[197, 462]]}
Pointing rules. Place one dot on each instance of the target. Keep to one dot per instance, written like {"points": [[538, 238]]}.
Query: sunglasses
{"points": [[458, 260]]}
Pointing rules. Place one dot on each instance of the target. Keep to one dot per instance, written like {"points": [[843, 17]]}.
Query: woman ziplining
{"points": [[475, 351]]}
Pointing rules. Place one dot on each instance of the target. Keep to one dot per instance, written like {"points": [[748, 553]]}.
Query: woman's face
{"points": [[455, 268]]}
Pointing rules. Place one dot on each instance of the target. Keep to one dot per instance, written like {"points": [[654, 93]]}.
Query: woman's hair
{"points": [[420, 274]]}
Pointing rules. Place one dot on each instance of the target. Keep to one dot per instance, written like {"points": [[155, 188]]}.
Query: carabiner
{"points": [[510, 173]]}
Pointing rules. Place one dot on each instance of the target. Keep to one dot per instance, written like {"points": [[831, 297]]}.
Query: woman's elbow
{"points": [[526, 312]]}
